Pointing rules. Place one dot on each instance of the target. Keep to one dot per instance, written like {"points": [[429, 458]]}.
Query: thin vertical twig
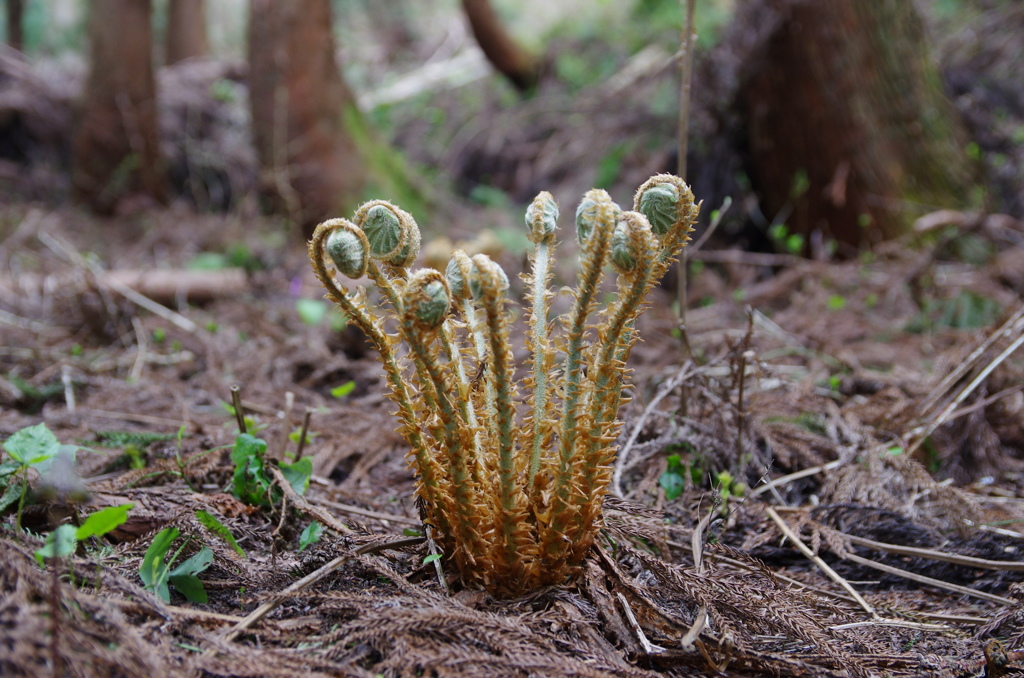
{"points": [[236, 402], [302, 433], [69, 387], [686, 50], [289, 405], [55, 619], [748, 356]]}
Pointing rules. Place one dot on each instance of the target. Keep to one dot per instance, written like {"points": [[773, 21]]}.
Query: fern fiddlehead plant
{"points": [[511, 487]]}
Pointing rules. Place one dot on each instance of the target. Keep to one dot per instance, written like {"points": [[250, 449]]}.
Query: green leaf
{"points": [[310, 535], [213, 525], [298, 474], [672, 483], [32, 444], [836, 302], [101, 522], [311, 311], [194, 565], [60, 543], [431, 558], [154, 571], [410, 532], [208, 261], [294, 436], [337, 321], [344, 389], [795, 243], [11, 493], [249, 482], [189, 586]]}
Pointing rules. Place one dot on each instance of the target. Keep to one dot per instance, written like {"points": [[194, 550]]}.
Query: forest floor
{"points": [[832, 486], [877, 414]]}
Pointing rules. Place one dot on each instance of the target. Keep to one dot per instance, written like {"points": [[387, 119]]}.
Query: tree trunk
{"points": [[15, 27], [186, 31], [850, 132], [116, 147], [303, 113], [507, 57]]}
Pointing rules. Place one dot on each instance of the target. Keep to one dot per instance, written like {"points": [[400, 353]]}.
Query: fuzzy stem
{"points": [[477, 328], [542, 357], [595, 255], [465, 400], [608, 373], [511, 519], [429, 470], [456, 437]]}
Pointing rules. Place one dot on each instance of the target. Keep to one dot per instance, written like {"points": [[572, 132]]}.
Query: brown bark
{"points": [[15, 28], [850, 132], [302, 111], [504, 53], [116, 147], [186, 31]]}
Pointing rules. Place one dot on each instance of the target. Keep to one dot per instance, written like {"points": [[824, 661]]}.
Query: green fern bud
{"points": [[411, 250], [590, 210], [586, 212], [426, 298], [623, 248], [632, 242], [392, 233], [660, 204], [541, 218], [348, 248], [383, 231], [458, 272], [484, 265]]}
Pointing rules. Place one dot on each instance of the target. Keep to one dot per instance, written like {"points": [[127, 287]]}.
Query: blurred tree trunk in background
{"points": [[391, 21], [304, 116], [116, 146], [15, 27], [850, 132], [508, 57], [186, 31]]}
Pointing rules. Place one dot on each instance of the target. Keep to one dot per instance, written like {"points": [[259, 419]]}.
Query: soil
{"points": [[841, 367]]}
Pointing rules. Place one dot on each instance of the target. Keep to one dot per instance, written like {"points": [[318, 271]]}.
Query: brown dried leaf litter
{"points": [[755, 605]]}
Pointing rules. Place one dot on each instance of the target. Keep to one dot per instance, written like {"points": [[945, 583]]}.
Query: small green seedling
{"points": [[31, 447], [311, 311], [344, 389], [252, 481], [157, 575], [310, 535], [295, 435], [672, 480], [63, 541], [728, 488], [211, 523], [792, 243], [836, 302]]}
